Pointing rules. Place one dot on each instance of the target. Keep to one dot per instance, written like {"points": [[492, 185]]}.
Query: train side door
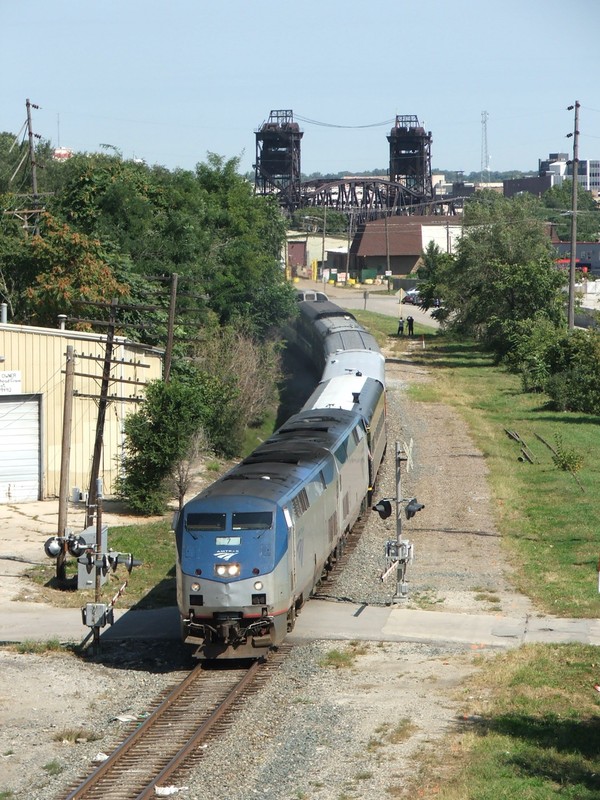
{"points": [[291, 548]]}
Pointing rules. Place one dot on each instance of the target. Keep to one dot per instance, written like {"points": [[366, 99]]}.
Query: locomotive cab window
{"points": [[342, 452], [252, 520], [205, 522]]}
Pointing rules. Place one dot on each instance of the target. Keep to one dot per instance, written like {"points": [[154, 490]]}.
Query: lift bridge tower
{"points": [[277, 167], [410, 155]]}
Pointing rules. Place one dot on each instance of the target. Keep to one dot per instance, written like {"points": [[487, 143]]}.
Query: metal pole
{"points": [[401, 570], [387, 252], [348, 253], [323, 245], [571, 315], [98, 553]]}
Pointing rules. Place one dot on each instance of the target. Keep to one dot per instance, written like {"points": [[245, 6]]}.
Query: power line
{"points": [[336, 125]]}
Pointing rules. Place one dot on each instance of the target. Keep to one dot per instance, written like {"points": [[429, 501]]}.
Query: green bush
{"points": [[529, 342], [156, 437], [574, 364]]}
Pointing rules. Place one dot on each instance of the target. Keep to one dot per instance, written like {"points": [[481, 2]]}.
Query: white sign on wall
{"points": [[10, 381]]}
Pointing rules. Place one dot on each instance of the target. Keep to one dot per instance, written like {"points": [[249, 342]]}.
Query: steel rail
{"points": [[137, 736]]}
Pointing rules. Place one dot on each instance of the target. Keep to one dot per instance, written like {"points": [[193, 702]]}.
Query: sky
{"points": [[170, 81]]}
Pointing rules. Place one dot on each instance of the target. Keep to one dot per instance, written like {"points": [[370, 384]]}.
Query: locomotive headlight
{"points": [[195, 587], [258, 586], [227, 570]]}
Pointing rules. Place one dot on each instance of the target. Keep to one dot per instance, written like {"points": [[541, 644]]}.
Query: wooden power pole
{"points": [[103, 402], [573, 262], [65, 456]]}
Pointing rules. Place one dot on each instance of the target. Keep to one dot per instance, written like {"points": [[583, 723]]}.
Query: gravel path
{"points": [[317, 731]]}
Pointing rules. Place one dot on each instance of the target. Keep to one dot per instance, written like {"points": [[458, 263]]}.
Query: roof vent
{"points": [[356, 397]]}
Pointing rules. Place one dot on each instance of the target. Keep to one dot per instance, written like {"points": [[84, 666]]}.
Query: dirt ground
{"points": [[459, 566]]}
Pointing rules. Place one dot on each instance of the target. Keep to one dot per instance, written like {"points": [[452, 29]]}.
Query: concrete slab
{"points": [[319, 619]]}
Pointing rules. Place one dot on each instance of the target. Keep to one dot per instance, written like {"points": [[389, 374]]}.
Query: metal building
{"points": [[32, 389]]}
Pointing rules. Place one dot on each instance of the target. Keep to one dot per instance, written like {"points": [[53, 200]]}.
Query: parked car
{"points": [[412, 297]]}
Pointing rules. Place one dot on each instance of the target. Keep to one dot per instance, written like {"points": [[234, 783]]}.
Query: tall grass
{"points": [[530, 730], [547, 516]]}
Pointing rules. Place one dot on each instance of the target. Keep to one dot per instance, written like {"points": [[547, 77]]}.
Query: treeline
{"points": [[502, 287], [119, 230]]}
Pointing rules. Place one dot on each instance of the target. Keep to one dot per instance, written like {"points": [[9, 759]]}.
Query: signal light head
{"points": [[383, 508], [412, 507], [53, 547], [77, 546]]}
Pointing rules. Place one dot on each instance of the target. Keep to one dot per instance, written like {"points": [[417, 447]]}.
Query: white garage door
{"points": [[19, 449]]}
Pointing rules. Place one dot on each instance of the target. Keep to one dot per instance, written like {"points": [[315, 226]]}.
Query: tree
{"points": [[182, 473], [70, 270], [503, 271], [556, 203], [157, 436]]}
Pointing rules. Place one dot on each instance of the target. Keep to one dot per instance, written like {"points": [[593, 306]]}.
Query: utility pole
{"points": [[30, 135], [171, 328], [349, 241], [387, 251], [323, 244], [65, 455], [485, 159], [575, 170], [103, 402]]}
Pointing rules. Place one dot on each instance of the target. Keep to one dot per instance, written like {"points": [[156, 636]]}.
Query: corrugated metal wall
{"points": [[39, 354]]}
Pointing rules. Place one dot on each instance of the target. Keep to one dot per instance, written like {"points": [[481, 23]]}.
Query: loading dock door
{"points": [[19, 449]]}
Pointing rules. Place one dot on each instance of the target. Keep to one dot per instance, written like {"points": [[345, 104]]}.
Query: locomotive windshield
{"points": [[251, 520], [205, 522]]}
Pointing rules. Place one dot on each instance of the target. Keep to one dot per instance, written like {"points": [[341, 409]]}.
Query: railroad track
{"points": [[171, 741]]}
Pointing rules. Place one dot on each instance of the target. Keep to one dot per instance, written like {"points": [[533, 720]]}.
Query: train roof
{"points": [[287, 459], [357, 393], [321, 309], [338, 338], [346, 362]]}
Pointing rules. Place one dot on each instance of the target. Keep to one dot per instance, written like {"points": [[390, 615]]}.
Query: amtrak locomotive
{"points": [[252, 546]]}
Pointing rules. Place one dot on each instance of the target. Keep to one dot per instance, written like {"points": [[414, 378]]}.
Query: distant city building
{"points": [[587, 256], [552, 171]]}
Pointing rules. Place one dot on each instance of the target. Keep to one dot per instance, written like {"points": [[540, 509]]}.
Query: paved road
{"points": [[377, 301]]}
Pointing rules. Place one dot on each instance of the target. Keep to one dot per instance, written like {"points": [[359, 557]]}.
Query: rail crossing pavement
{"points": [[24, 528], [319, 619]]}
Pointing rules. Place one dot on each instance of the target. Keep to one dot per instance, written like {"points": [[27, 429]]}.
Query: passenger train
{"points": [[252, 546]]}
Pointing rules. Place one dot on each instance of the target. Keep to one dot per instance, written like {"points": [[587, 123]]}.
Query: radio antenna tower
{"points": [[485, 159]]}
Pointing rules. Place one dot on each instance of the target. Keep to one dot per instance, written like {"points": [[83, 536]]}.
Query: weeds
{"points": [[76, 736], [32, 647], [53, 767], [566, 458]]}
